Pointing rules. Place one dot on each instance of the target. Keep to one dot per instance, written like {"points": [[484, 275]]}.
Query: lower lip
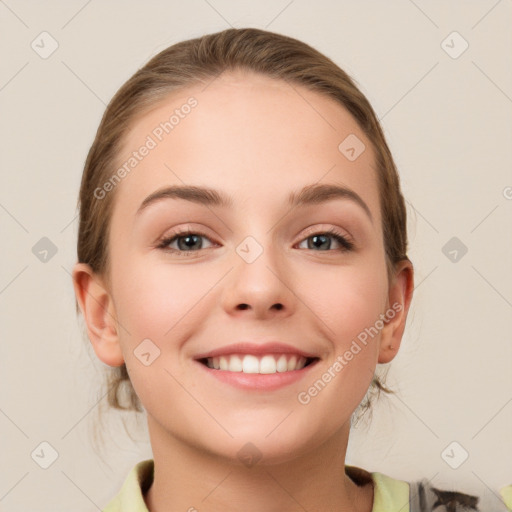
{"points": [[259, 381]]}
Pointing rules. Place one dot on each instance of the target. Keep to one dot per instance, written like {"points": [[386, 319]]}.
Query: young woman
{"points": [[242, 264]]}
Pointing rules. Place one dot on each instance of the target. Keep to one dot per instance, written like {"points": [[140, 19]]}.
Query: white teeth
{"points": [[282, 365], [268, 364], [248, 363]]}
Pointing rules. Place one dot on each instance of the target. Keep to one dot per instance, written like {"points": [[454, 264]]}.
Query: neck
{"points": [[190, 479]]}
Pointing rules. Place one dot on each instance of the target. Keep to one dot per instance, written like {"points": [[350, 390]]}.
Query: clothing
{"points": [[390, 495]]}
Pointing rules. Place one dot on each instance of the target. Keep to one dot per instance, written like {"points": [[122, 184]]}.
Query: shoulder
{"points": [[131, 495], [425, 497], [393, 495], [390, 494]]}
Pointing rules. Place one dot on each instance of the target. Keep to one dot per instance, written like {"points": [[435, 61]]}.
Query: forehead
{"points": [[247, 134]]}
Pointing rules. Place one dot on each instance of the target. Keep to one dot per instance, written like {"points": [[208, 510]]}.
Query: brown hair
{"points": [[198, 61]]}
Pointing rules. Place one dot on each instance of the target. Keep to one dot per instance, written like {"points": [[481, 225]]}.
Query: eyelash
{"points": [[346, 245]]}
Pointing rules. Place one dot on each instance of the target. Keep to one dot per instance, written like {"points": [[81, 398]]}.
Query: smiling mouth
{"points": [[266, 364]]}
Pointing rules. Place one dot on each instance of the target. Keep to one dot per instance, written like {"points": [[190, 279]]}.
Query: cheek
{"points": [[161, 303], [347, 299], [155, 299]]}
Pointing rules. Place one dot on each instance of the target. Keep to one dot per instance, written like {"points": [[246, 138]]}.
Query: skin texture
{"points": [[257, 140]]}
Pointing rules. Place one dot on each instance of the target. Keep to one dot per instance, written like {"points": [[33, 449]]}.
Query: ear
{"points": [[399, 299], [99, 314]]}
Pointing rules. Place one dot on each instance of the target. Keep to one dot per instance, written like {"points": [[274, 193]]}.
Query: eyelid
{"points": [[186, 229], [327, 229]]}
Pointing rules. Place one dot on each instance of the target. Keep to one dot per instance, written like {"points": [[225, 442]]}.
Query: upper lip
{"points": [[255, 348]]}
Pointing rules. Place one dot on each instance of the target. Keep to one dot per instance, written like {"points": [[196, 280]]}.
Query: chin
{"points": [[255, 449]]}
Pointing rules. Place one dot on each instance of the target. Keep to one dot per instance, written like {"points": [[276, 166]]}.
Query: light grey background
{"points": [[448, 123]]}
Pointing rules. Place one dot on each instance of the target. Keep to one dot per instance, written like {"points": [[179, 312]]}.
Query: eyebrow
{"points": [[310, 194]]}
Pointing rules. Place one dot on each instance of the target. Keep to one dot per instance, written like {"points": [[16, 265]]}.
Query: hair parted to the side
{"points": [[201, 60]]}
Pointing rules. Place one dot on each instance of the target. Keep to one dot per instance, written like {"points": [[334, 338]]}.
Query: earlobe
{"points": [[99, 315], [399, 300]]}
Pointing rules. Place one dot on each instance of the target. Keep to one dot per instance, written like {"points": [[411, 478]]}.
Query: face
{"points": [[309, 274]]}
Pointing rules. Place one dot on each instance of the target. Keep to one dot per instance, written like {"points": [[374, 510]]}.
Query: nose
{"points": [[261, 288]]}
